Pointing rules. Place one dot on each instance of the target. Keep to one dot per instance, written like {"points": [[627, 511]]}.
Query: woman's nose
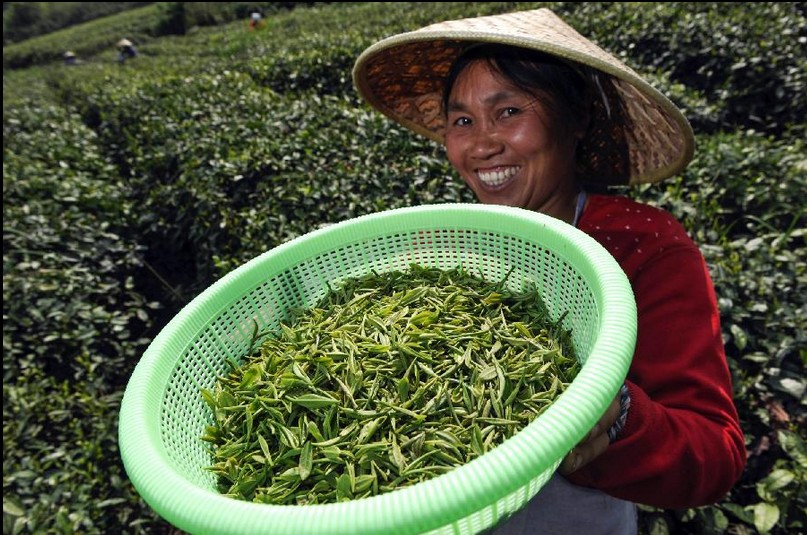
{"points": [[486, 143]]}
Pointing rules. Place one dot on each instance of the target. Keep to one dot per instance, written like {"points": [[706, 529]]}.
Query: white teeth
{"points": [[496, 178]]}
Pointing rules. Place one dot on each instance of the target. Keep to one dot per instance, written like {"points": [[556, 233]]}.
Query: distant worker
{"points": [[70, 58], [126, 50], [255, 22]]}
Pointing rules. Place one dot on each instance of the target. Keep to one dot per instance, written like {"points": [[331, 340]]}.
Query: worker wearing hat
{"points": [[534, 115], [126, 50]]}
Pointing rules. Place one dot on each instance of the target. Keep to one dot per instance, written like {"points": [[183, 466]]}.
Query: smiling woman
{"points": [[486, 113], [534, 115]]}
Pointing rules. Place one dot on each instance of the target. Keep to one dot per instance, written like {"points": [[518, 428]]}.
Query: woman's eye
{"points": [[509, 112], [461, 121]]}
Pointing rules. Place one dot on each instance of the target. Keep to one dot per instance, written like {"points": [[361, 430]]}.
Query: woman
{"points": [[126, 50], [534, 115]]}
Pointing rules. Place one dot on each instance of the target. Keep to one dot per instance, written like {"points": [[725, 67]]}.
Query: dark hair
{"points": [[563, 89]]}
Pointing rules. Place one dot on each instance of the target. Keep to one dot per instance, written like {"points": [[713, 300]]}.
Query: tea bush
{"points": [[91, 41], [74, 326]]}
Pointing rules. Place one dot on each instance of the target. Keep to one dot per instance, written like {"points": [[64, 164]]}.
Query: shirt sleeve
{"points": [[682, 445]]}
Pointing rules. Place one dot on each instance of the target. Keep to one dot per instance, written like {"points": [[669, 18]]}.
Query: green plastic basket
{"points": [[163, 414]]}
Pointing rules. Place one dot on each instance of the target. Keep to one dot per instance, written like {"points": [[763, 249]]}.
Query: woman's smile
{"points": [[496, 177]]}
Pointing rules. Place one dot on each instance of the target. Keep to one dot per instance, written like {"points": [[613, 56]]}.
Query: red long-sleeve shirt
{"points": [[682, 445]]}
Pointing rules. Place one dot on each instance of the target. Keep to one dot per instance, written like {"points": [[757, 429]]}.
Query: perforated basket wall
{"points": [[163, 415]]}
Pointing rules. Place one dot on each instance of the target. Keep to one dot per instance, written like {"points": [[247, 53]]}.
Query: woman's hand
{"points": [[594, 444]]}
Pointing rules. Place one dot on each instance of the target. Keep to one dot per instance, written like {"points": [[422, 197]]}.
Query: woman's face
{"points": [[499, 139]]}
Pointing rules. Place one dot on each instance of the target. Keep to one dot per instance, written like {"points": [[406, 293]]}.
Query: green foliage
{"points": [[95, 39], [19, 17], [223, 175], [129, 189], [76, 326], [217, 13], [178, 17], [61, 470], [172, 21], [746, 59], [23, 20], [71, 301]]}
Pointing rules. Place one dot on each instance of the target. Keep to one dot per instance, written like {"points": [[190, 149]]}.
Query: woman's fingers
{"points": [[606, 421], [584, 453], [594, 444]]}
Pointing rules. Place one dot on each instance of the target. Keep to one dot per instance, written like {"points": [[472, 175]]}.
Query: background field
{"points": [[128, 189]]}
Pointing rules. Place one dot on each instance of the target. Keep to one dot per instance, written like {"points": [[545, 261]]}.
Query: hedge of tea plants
{"points": [[129, 189]]}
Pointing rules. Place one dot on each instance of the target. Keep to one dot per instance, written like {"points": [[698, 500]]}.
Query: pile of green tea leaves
{"points": [[392, 379]]}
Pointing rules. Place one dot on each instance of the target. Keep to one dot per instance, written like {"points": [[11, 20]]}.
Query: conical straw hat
{"points": [[645, 139]]}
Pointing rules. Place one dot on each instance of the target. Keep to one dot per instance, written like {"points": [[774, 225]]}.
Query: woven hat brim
{"points": [[403, 77]]}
